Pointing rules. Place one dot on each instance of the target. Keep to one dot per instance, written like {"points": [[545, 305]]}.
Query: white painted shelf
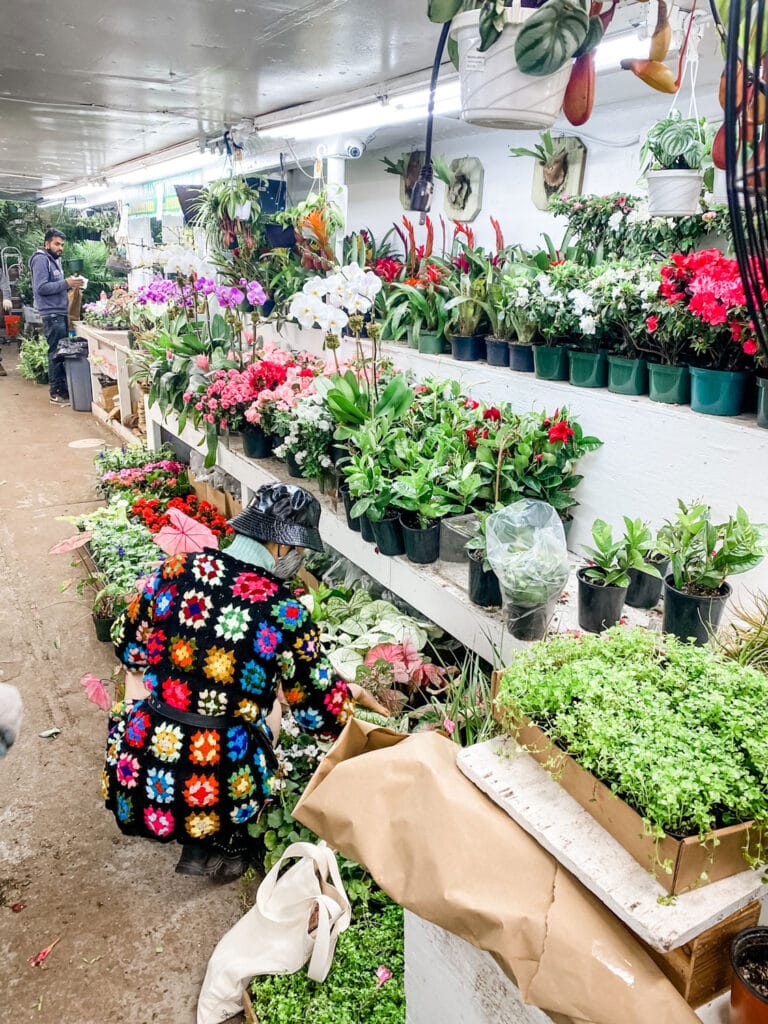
{"points": [[438, 592], [652, 454]]}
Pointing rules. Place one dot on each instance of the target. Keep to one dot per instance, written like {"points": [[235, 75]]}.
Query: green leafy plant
{"points": [[677, 143], [468, 308], [703, 554], [33, 359], [673, 729], [610, 560]]}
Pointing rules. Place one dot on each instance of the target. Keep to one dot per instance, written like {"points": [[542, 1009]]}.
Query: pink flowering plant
{"points": [[165, 478]]}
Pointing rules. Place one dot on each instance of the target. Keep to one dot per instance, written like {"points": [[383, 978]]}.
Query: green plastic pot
{"points": [[718, 392], [430, 344], [588, 369], [413, 341], [669, 384], [627, 376], [762, 402], [550, 363]]}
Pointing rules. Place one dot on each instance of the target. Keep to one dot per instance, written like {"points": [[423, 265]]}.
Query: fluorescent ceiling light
{"points": [[612, 51], [369, 116], [187, 164]]}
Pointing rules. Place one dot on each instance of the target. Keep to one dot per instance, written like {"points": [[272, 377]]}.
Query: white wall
{"points": [[612, 137]]}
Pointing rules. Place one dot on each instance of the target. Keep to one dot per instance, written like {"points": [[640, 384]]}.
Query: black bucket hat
{"points": [[283, 514]]}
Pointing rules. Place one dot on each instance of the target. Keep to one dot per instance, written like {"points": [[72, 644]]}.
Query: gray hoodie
{"points": [[49, 286]]}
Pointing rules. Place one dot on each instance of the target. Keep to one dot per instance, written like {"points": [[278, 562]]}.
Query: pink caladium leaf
{"points": [[95, 691]]}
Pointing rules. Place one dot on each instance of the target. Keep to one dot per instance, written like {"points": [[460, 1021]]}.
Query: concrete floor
{"points": [[134, 937]]}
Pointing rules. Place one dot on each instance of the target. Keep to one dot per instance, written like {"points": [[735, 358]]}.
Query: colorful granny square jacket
{"points": [[214, 636]]}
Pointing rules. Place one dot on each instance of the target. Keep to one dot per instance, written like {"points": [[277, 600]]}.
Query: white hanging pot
{"points": [[493, 92], [243, 211], [673, 193]]}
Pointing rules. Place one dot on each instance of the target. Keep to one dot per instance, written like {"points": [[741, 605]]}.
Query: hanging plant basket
{"points": [[494, 93], [673, 193]]}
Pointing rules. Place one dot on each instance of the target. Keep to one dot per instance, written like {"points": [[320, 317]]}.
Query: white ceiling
{"points": [[86, 86]]}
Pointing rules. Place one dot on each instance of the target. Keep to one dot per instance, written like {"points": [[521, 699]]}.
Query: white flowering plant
{"points": [[562, 305], [512, 312], [309, 437], [328, 302], [623, 296]]}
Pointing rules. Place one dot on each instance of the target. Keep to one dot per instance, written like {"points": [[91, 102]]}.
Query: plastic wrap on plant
{"points": [[526, 549]]}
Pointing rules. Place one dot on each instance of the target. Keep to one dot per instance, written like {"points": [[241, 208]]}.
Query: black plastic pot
{"points": [[353, 522], [278, 237], [388, 534], [749, 959], [521, 357], [103, 627], [366, 530], [484, 588], [256, 444], [599, 607], [530, 623], [422, 546], [467, 348], [497, 352], [644, 590], [275, 440], [339, 454], [690, 617], [294, 469]]}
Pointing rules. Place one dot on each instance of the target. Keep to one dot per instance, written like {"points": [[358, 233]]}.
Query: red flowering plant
{"points": [[707, 286], [153, 513], [416, 299]]}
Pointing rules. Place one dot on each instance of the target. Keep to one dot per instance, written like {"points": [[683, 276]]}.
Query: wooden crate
{"points": [[248, 1010], [701, 969]]}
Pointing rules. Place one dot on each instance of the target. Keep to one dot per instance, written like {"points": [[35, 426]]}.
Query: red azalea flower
{"points": [[470, 403], [652, 324], [493, 414], [471, 436], [750, 347], [560, 432]]}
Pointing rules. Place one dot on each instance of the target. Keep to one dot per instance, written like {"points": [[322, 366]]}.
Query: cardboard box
{"points": [[234, 505], [106, 399], [690, 858]]}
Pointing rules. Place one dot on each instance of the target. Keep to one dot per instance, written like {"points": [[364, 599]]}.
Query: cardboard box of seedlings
{"points": [[694, 861]]}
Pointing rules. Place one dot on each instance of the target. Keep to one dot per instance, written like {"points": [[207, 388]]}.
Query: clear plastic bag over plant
{"points": [[526, 549]]}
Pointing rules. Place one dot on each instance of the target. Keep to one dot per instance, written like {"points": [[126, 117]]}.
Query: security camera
{"points": [[354, 148]]}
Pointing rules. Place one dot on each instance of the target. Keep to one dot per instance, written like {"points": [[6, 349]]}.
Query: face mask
{"points": [[288, 565]]}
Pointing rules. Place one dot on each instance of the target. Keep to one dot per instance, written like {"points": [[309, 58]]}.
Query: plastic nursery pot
{"points": [[497, 352], [455, 531], [103, 627], [529, 623], [644, 590], [339, 454], [627, 376], [587, 369], [411, 340], [467, 348], [521, 357], [762, 402], [430, 344], [274, 442], [669, 384], [599, 607], [353, 522], [388, 534], [294, 469], [690, 617], [484, 590], [75, 266], [550, 363], [749, 987], [718, 392], [279, 237], [256, 444], [366, 530], [422, 546]]}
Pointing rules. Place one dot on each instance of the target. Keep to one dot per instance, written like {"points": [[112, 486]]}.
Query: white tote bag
{"points": [[274, 936]]}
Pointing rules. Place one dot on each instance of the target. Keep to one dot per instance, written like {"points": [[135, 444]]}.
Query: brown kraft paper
{"points": [[442, 849]]}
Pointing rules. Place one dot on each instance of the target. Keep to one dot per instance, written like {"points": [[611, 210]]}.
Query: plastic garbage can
{"points": [[78, 373]]}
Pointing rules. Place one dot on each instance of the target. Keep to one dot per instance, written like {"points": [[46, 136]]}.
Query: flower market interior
{"points": [[384, 533]]}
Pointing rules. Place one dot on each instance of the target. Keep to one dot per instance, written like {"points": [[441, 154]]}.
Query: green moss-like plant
{"points": [[353, 992], [676, 731]]}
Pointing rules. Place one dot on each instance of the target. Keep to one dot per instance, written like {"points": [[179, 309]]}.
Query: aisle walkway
{"points": [[135, 937]]}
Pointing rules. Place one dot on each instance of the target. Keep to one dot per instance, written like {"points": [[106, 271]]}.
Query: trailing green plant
{"points": [[229, 211], [365, 983], [704, 554], [675, 730], [33, 359]]}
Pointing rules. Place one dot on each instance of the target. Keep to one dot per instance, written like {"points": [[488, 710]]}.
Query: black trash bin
{"points": [[74, 353]]}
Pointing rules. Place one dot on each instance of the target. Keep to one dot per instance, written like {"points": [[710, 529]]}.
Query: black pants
{"points": [[56, 327]]}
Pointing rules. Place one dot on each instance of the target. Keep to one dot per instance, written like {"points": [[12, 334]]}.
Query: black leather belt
{"points": [[216, 722]]}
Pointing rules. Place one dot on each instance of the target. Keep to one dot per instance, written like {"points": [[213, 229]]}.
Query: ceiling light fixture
{"points": [[612, 51], [381, 113]]}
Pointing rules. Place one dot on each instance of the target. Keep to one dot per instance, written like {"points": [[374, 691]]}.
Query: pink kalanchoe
{"points": [[203, 363], [449, 725]]}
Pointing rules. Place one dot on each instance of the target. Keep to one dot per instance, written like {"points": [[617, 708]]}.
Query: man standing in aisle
{"points": [[50, 289]]}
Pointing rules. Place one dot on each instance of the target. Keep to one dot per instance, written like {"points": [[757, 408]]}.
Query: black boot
{"points": [[193, 859], [225, 867]]}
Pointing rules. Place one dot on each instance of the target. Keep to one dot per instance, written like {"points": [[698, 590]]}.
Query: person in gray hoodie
{"points": [[51, 289]]}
